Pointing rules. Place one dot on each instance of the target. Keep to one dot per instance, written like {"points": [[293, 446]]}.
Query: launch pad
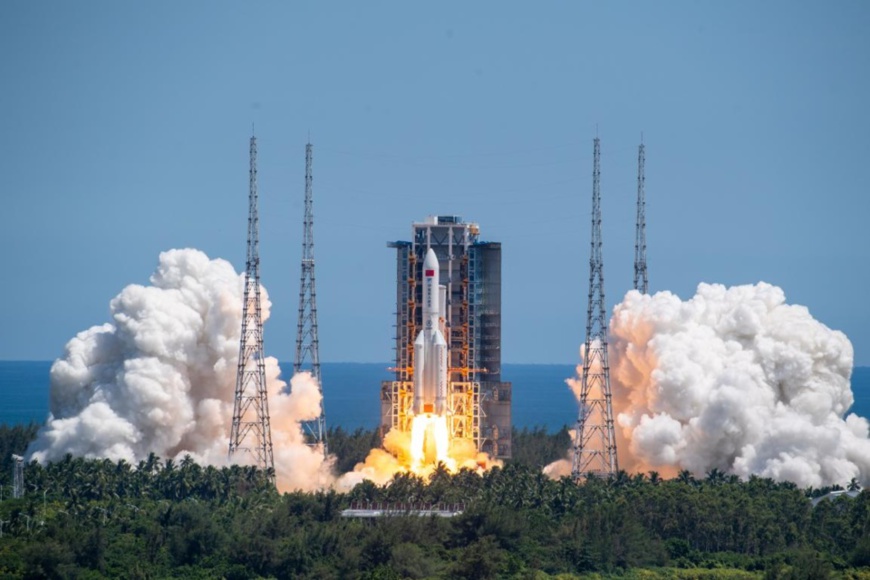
{"points": [[478, 403]]}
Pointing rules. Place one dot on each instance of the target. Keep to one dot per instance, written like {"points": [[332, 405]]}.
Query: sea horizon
{"points": [[541, 398]]}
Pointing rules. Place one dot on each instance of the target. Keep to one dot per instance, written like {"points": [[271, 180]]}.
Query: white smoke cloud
{"points": [[738, 380], [161, 378], [298, 465]]}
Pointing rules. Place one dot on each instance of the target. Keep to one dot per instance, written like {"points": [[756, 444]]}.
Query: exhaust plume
{"points": [[397, 456], [737, 380], [160, 377]]}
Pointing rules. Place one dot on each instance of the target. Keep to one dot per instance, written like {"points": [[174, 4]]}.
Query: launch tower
{"points": [[594, 443], [479, 402], [251, 433], [307, 344], [640, 277]]}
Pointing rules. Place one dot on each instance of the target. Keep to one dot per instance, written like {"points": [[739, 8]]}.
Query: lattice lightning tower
{"points": [[307, 344], [251, 432], [594, 443], [640, 278]]}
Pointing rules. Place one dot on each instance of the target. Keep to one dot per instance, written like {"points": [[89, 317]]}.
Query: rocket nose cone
{"points": [[431, 260]]}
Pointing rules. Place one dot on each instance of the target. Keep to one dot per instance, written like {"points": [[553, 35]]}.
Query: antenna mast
{"points": [[251, 432], [307, 343], [640, 277], [594, 443]]}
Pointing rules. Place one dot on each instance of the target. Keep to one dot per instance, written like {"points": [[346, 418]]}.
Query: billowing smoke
{"points": [[160, 377], [738, 380]]}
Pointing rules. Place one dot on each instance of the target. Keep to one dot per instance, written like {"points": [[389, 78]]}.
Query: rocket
{"points": [[430, 348]]}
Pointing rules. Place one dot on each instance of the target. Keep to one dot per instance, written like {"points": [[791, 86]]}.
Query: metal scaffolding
{"points": [[251, 433], [307, 343], [478, 401], [594, 442]]}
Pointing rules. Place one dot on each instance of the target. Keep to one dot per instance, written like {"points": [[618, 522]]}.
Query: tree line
{"points": [[164, 518]]}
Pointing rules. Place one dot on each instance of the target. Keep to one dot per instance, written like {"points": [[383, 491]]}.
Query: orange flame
{"points": [[419, 451], [430, 443]]}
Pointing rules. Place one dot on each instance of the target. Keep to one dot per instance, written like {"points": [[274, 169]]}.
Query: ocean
{"points": [[540, 395]]}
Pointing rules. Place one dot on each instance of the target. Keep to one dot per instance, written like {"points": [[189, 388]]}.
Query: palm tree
{"points": [[152, 464], [621, 479], [122, 478], [715, 476], [365, 491], [685, 476], [439, 483]]}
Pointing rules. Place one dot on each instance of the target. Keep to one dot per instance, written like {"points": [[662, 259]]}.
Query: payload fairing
{"points": [[430, 348]]}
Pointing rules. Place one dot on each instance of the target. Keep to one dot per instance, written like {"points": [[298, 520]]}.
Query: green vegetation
{"points": [[13, 439], [100, 519], [536, 448]]}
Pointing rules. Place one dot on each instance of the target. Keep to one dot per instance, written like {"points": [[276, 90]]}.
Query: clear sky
{"points": [[124, 132]]}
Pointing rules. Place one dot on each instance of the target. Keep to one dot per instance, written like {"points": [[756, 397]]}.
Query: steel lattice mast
{"points": [[640, 277], [594, 443], [307, 344], [251, 432]]}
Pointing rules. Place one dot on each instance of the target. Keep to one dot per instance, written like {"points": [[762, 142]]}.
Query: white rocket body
{"points": [[430, 348]]}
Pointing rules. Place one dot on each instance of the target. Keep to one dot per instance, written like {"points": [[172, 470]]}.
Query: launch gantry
{"points": [[470, 273]]}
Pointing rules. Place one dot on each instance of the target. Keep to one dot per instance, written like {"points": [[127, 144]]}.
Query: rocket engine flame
{"points": [[430, 443], [404, 452]]}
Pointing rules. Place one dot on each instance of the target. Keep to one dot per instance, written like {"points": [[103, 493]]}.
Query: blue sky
{"points": [[124, 128]]}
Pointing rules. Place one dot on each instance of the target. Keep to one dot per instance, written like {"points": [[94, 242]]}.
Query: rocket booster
{"points": [[430, 348]]}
